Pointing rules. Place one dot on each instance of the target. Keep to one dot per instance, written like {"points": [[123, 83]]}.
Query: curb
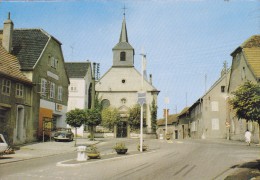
{"points": [[13, 160], [79, 163]]}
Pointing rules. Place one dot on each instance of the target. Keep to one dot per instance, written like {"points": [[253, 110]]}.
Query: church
{"points": [[120, 85]]}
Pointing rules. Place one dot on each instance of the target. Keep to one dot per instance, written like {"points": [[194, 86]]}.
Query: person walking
{"points": [[248, 137]]}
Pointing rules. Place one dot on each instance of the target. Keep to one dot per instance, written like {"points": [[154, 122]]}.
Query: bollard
{"points": [[81, 153], [161, 136]]}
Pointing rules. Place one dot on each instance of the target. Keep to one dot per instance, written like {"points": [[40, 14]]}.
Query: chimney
{"points": [[8, 34], [151, 79]]}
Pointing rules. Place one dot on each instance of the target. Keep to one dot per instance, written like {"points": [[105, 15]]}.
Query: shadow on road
{"points": [[247, 170]]}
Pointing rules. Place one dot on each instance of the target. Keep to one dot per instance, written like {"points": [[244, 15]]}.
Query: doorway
{"points": [[176, 134], [121, 129], [183, 132], [20, 123]]}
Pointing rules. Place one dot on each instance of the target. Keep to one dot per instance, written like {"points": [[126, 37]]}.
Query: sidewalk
{"points": [[42, 149]]}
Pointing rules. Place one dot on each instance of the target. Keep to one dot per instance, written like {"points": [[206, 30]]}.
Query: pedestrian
{"points": [[248, 137]]}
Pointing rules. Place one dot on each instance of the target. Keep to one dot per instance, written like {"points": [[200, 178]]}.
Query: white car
{"points": [[3, 144]]}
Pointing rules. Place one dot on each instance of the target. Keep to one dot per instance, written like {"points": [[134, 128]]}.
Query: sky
{"points": [[186, 41]]}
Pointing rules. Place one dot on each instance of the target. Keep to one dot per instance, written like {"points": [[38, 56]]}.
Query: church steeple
{"points": [[123, 52], [123, 35]]}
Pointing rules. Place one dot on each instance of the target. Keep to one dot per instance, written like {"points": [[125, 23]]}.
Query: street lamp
{"points": [[166, 101], [141, 101]]}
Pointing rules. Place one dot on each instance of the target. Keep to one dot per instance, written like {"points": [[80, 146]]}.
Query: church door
{"points": [[121, 129]]}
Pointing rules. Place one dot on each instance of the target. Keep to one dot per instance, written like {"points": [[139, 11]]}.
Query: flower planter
{"points": [[93, 155], [121, 151], [144, 148]]}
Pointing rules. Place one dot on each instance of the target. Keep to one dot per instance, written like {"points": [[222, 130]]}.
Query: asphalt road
{"points": [[187, 159]]}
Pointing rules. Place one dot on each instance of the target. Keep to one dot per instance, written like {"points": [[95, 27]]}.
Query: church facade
{"points": [[119, 86]]}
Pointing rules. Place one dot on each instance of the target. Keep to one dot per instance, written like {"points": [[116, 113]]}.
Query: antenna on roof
{"points": [[72, 48]]}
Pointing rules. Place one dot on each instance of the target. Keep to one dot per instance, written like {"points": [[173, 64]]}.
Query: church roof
{"points": [[9, 66], [77, 69], [28, 45], [123, 39]]}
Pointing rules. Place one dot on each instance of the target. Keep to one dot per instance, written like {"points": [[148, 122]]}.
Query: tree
{"points": [[93, 115], [110, 117], [75, 118], [93, 118], [153, 110], [135, 117], [246, 101]]}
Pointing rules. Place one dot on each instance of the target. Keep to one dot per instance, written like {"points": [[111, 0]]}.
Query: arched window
{"points": [[122, 56], [105, 103]]}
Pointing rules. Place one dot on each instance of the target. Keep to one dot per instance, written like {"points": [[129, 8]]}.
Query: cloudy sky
{"points": [[185, 40]]}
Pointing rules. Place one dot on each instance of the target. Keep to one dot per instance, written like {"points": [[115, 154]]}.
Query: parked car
{"points": [[63, 134], [3, 144]]}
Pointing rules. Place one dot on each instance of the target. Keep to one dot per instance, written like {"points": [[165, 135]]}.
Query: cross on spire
{"points": [[124, 8]]}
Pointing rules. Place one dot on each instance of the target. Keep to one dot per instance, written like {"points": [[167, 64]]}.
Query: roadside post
{"points": [[141, 101]]}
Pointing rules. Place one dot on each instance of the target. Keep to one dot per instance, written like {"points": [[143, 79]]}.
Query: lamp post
{"points": [[141, 101], [166, 101]]}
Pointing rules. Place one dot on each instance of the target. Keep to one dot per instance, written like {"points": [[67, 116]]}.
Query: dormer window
{"points": [[122, 56]]}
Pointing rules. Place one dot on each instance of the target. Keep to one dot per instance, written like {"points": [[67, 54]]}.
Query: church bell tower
{"points": [[123, 52]]}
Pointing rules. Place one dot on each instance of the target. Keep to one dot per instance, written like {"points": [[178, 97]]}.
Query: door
{"points": [[183, 133], [121, 129], [176, 134]]}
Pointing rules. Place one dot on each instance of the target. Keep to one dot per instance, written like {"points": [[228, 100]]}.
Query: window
{"points": [[43, 87], [73, 87], [123, 100], [123, 81], [122, 56], [19, 90], [214, 106], [105, 103], [243, 73], [2, 115], [193, 126], [222, 89], [52, 90], [215, 124], [6, 87], [60, 93], [54, 62]]}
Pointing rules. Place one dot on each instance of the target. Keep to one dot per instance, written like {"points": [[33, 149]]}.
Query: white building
{"points": [[119, 86], [80, 87]]}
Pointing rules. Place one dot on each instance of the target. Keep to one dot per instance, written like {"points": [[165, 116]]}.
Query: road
{"points": [[186, 159]]}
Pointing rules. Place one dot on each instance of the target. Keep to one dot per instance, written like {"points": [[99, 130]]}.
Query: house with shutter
{"points": [[41, 61], [245, 67], [80, 76], [15, 99]]}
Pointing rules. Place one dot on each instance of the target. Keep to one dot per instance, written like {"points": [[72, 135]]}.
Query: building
{"points": [[183, 129], [119, 86], [15, 99], [211, 116], [41, 61], [208, 115], [80, 76], [172, 126], [245, 67]]}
